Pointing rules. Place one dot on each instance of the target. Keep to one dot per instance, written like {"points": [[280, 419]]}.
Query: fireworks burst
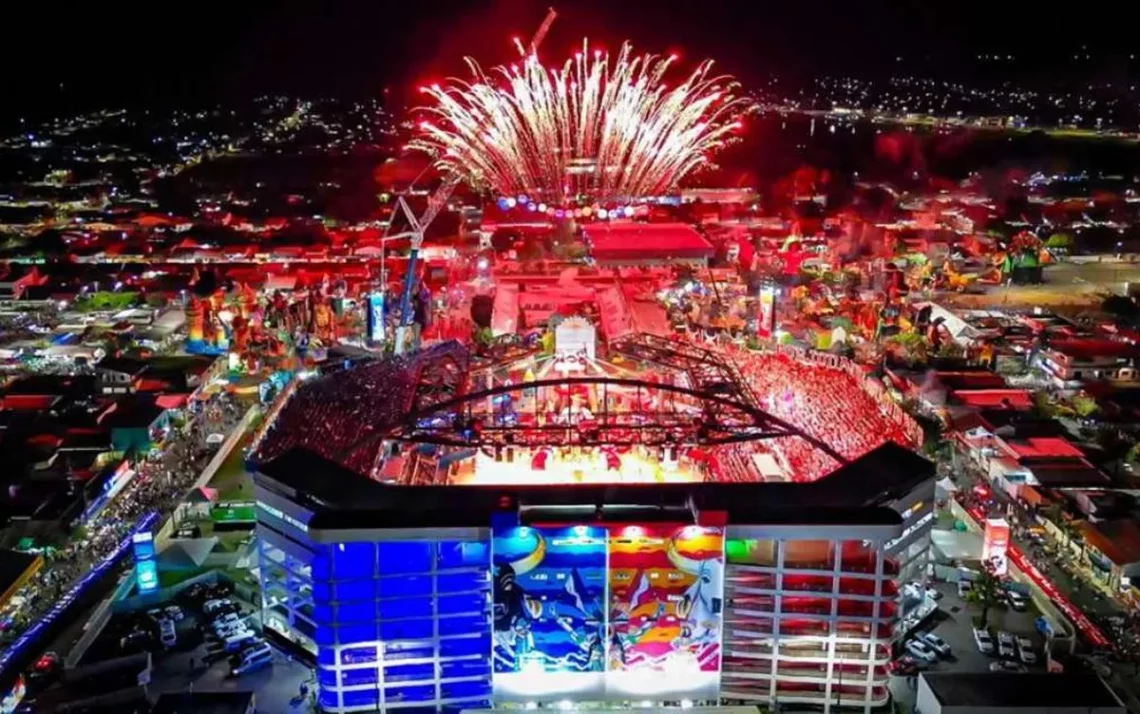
{"points": [[613, 130]]}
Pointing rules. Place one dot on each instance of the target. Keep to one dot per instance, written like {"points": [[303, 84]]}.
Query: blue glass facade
{"points": [[399, 625]]}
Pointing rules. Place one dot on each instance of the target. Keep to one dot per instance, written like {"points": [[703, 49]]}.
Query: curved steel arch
{"points": [[769, 426]]}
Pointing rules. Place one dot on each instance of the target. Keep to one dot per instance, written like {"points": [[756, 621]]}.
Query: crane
{"points": [[415, 232], [417, 226], [542, 30]]}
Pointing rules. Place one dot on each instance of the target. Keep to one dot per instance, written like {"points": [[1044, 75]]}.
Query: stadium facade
{"points": [[450, 598]]}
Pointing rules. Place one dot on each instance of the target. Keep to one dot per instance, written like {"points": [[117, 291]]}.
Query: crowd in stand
{"points": [[827, 403], [334, 415]]}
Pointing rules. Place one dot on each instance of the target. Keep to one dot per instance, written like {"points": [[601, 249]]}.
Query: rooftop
{"points": [[1118, 540], [639, 241], [1024, 691], [203, 703], [858, 492], [1004, 398], [1087, 349]]}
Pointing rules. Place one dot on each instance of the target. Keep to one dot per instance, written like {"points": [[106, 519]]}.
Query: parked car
{"points": [[984, 641], [219, 606], [225, 630], [1017, 601], [905, 666], [1003, 666], [46, 668], [239, 640], [1005, 644], [134, 641], [167, 633], [1025, 651], [175, 613], [933, 593], [921, 650], [225, 619], [964, 587], [256, 656], [936, 643]]}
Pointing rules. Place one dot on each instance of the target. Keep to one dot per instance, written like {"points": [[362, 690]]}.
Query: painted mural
{"points": [[549, 595], [665, 599]]}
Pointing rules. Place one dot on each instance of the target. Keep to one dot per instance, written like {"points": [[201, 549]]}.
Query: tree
{"points": [[1084, 405], [1043, 404], [1060, 519], [985, 592], [1059, 241]]}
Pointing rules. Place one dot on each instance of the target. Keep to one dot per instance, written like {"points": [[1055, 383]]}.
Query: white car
{"points": [[964, 587], [1025, 651], [1017, 601], [922, 651], [984, 641], [935, 643], [1005, 644], [167, 633], [932, 593]]}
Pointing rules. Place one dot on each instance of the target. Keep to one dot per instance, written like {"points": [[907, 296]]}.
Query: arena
{"points": [[649, 410], [643, 522]]}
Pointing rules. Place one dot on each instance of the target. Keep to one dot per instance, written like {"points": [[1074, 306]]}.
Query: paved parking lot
{"points": [[954, 623], [276, 686]]}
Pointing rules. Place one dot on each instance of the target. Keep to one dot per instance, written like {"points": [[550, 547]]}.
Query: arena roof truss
{"points": [[508, 415]]}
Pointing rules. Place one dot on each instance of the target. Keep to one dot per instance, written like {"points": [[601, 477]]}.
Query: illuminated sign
{"points": [[376, 317], [146, 571], [995, 544], [14, 696], [767, 322]]}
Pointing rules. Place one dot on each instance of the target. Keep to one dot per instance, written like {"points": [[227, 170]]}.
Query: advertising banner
{"points": [[995, 543], [375, 315], [146, 570], [549, 612], [767, 321]]}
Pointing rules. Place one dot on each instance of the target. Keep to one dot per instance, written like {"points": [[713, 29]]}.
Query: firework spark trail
{"points": [[520, 129]]}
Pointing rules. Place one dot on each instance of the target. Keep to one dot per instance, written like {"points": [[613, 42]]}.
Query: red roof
{"points": [[1044, 447], [646, 241], [171, 401], [28, 402], [1009, 398], [1090, 349], [1118, 540]]}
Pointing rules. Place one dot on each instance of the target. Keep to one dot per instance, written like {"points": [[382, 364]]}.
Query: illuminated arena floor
{"points": [[590, 466]]}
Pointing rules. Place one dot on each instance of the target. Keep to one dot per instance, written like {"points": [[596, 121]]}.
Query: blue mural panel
{"points": [[549, 609]]}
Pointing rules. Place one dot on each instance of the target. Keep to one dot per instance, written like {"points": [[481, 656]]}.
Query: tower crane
{"points": [[415, 234], [417, 226], [542, 30]]}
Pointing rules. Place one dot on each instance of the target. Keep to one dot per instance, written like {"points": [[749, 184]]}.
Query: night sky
{"points": [[103, 54]]}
